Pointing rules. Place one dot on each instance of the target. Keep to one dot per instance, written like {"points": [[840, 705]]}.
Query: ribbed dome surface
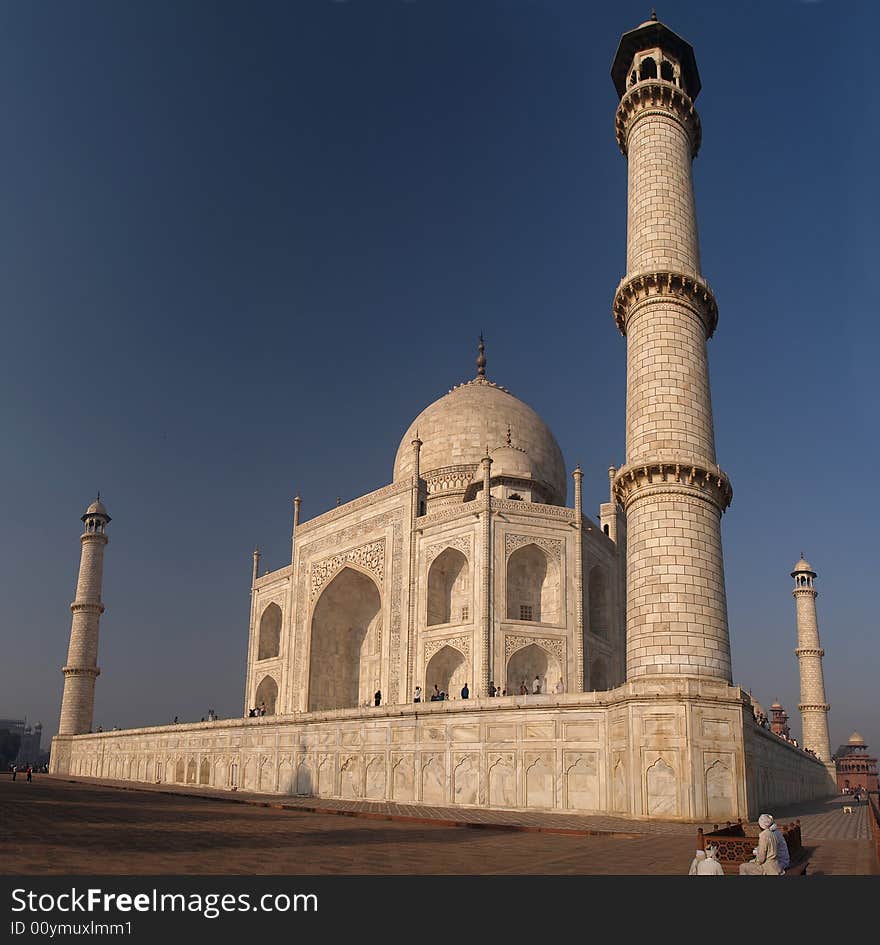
{"points": [[457, 429]]}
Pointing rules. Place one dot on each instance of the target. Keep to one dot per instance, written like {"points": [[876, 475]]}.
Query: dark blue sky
{"points": [[242, 246]]}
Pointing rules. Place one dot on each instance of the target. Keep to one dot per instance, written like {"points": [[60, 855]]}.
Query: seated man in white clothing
{"points": [[766, 861]]}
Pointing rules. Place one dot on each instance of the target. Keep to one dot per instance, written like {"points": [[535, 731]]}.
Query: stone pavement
{"points": [[81, 825], [841, 843]]}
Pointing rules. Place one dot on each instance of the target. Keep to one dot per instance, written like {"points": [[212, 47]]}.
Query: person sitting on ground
{"points": [[710, 866], [699, 856], [435, 695], [766, 859]]}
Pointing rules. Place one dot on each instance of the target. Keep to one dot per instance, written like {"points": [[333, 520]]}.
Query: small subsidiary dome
{"points": [[97, 508]]}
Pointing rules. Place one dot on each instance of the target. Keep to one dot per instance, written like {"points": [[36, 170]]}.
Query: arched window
{"points": [[531, 661], [344, 657], [598, 598], [448, 669], [449, 588], [666, 71], [270, 633], [648, 69], [267, 693], [532, 586]]}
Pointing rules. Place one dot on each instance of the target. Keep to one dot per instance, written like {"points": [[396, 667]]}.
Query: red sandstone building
{"points": [[855, 767]]}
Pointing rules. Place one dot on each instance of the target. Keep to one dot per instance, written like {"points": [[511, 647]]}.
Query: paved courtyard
{"points": [[69, 826]]}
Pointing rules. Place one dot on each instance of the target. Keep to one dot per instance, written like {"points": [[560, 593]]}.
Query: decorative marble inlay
{"points": [[370, 556], [550, 545], [554, 645], [461, 543], [462, 644]]}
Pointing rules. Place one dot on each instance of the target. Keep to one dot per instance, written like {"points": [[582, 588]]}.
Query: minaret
{"points": [[813, 707], [78, 701], [670, 487]]}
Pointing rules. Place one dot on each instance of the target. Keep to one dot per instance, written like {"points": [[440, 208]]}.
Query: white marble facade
{"points": [[404, 587]]}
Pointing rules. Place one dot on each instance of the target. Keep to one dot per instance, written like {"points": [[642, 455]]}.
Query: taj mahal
{"points": [[469, 569]]}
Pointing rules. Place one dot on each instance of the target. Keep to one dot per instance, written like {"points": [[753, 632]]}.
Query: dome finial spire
{"points": [[653, 14], [481, 358]]}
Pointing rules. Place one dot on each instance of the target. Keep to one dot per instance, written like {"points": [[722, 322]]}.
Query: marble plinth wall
{"points": [[676, 749]]}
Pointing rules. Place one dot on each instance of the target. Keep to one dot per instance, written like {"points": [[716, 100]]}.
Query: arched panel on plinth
{"points": [[305, 780], [661, 790], [719, 792]]}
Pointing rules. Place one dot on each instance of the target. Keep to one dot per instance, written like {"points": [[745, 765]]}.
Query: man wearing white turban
{"points": [[710, 866], [766, 860], [699, 856]]}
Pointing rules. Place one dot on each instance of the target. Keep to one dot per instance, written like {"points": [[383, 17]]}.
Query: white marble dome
{"points": [[96, 508], [457, 429]]}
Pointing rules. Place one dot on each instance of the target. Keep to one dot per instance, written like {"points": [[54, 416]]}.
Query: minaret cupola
{"points": [[652, 52]]}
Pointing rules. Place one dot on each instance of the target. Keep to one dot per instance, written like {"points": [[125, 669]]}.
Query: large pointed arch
{"points": [[344, 649]]}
